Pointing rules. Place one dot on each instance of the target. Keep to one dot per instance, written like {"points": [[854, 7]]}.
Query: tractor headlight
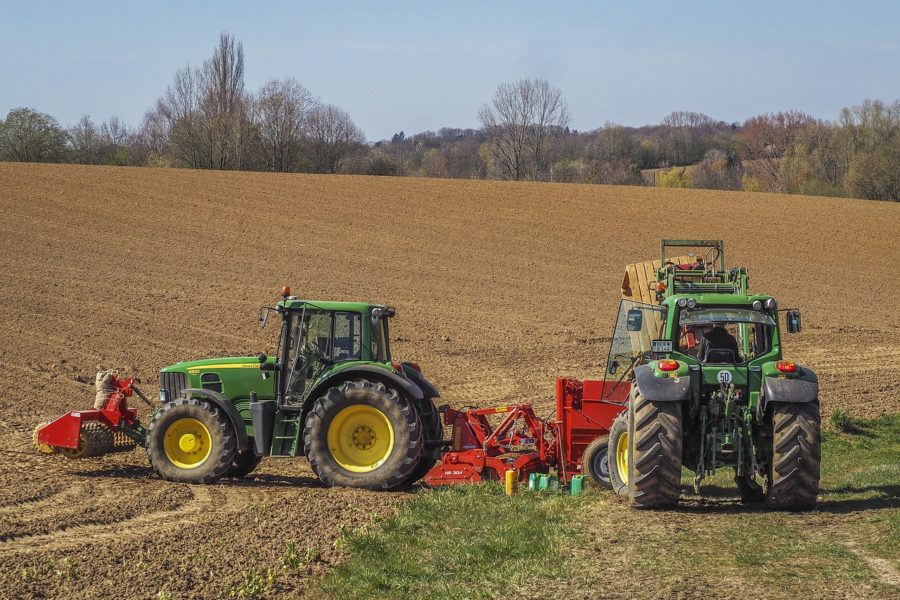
{"points": [[163, 395], [771, 304], [682, 302], [757, 305], [692, 303]]}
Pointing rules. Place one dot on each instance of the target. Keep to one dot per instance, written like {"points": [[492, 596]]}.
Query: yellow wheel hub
{"points": [[622, 457], [187, 443], [360, 438]]}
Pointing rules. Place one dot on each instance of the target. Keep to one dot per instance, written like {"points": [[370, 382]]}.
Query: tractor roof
{"points": [[717, 299], [329, 305]]}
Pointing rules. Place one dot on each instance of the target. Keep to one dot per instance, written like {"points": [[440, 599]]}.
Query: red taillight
{"points": [[415, 366], [397, 366], [667, 365], [786, 366]]}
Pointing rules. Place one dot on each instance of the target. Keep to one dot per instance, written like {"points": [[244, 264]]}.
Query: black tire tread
{"points": [[324, 466], [655, 459], [600, 444], [793, 478], [219, 421], [619, 426]]}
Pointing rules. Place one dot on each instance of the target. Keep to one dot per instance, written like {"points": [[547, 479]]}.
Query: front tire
{"points": [[655, 445], [190, 441], [363, 434], [793, 474]]}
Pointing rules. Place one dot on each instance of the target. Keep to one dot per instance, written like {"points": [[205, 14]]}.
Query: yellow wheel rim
{"points": [[360, 438], [187, 443], [622, 457]]}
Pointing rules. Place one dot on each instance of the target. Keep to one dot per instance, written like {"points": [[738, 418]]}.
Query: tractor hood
{"points": [[194, 367]]}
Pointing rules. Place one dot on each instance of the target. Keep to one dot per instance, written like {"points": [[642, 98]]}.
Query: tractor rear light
{"points": [[415, 366], [397, 367], [667, 365], [786, 366]]}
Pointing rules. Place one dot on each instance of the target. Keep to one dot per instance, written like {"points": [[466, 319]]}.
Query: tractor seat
{"points": [[720, 356]]}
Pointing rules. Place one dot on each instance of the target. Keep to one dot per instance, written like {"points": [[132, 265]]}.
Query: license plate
{"points": [[661, 346]]}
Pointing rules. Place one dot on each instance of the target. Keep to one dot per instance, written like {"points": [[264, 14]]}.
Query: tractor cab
{"points": [[320, 339]]}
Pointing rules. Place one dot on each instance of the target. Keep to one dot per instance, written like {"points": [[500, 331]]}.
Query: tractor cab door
{"points": [[310, 352], [637, 325]]}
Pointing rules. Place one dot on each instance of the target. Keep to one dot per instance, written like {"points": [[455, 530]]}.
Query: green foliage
{"points": [[31, 136], [473, 542], [255, 585], [676, 177], [462, 542], [750, 183], [843, 422]]}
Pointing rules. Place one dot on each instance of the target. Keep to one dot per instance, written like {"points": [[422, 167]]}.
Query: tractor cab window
{"points": [[347, 336], [724, 335], [310, 349], [637, 325]]}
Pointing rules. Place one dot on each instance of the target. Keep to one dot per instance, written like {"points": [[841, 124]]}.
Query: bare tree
{"points": [[523, 122], [85, 144], [281, 114], [222, 104], [333, 135]]}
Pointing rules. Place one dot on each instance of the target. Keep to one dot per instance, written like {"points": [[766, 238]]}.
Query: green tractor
{"points": [[709, 386], [333, 394]]}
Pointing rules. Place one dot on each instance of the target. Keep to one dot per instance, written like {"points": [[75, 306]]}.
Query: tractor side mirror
{"points": [[794, 323], [634, 320], [264, 365], [263, 317]]}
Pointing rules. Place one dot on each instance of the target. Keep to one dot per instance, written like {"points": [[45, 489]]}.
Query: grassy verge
{"points": [[473, 542]]}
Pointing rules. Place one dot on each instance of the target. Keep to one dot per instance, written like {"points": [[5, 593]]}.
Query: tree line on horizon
{"points": [[207, 119]]}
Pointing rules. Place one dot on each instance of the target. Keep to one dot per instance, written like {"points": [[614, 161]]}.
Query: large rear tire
{"points": [[191, 441], [655, 444], [433, 432], [793, 474], [363, 434], [618, 454], [595, 462]]}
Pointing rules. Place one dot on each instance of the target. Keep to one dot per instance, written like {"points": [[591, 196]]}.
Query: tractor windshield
{"points": [[724, 335], [636, 326], [310, 348]]}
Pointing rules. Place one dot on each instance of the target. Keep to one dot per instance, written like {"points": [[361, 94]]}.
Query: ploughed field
{"points": [[500, 288]]}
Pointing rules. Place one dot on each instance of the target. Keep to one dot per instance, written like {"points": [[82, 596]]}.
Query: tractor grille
{"points": [[688, 287], [173, 383]]}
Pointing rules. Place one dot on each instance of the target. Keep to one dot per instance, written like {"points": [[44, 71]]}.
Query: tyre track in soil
{"points": [[142, 525]]}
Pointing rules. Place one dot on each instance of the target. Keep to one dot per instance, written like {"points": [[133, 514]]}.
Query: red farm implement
{"points": [[83, 433], [525, 443]]}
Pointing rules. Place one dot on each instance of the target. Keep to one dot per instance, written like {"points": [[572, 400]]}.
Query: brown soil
{"points": [[501, 287]]}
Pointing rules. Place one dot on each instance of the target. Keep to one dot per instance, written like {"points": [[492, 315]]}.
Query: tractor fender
{"points": [[661, 389], [804, 388], [227, 407], [405, 386], [428, 389]]}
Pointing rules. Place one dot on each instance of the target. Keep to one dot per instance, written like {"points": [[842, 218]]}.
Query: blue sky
{"points": [[423, 65]]}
